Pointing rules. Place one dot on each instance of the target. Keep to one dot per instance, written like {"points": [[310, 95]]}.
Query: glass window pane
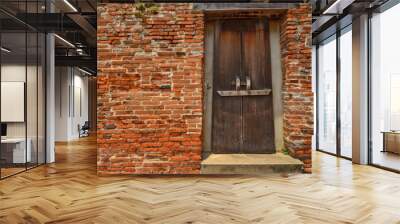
{"points": [[327, 96], [41, 98], [385, 84], [22, 88], [32, 87], [31, 97], [346, 93], [13, 86]]}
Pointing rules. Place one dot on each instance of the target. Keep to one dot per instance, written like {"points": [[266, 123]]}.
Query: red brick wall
{"points": [[297, 83], [149, 89], [150, 72]]}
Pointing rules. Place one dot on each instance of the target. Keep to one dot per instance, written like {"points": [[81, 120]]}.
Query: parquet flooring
{"points": [[69, 191], [10, 171]]}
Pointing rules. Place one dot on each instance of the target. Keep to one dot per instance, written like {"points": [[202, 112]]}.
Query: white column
{"points": [[360, 90], [50, 100]]}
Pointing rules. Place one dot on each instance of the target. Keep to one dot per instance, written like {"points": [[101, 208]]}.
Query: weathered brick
{"points": [[297, 94], [145, 65]]}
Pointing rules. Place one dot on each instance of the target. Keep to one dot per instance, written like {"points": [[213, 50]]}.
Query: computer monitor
{"points": [[3, 129]]}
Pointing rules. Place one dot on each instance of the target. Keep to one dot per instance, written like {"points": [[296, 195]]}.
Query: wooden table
{"points": [[391, 141]]}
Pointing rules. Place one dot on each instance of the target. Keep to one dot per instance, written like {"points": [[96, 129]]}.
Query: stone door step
{"points": [[250, 164]]}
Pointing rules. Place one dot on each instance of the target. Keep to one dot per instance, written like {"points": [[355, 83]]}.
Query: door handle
{"points": [[248, 83], [238, 83]]}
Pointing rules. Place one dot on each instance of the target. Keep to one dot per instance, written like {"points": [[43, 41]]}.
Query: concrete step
{"points": [[258, 164]]}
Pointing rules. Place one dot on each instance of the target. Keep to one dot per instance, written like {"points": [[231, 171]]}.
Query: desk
{"points": [[13, 150], [391, 141]]}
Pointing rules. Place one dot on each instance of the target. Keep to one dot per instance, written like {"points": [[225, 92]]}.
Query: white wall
{"points": [[9, 73], [16, 73], [62, 81], [71, 102], [81, 85]]}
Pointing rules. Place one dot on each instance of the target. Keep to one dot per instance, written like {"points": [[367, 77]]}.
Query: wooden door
{"points": [[242, 100]]}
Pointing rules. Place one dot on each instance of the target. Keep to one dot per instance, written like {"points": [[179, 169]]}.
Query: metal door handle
{"points": [[238, 82], [248, 83]]}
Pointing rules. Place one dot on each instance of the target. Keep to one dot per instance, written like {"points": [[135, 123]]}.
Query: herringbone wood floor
{"points": [[70, 192]]}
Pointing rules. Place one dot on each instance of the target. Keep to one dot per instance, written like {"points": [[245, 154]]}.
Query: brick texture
{"points": [[149, 89], [150, 75], [297, 83]]}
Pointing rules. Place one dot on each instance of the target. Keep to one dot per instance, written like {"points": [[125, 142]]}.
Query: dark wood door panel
{"points": [[226, 136], [255, 49], [227, 127], [258, 126], [242, 124], [258, 129]]}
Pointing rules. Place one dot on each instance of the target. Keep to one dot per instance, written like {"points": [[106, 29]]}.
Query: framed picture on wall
{"points": [[12, 101]]}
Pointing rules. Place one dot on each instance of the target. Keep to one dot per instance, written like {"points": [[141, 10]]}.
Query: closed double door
{"points": [[242, 120]]}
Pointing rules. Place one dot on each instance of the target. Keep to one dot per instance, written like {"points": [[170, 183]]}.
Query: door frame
{"points": [[276, 73]]}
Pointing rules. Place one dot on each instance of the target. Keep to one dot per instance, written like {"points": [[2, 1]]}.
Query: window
{"points": [[335, 74], [327, 95], [346, 92], [385, 89], [22, 77]]}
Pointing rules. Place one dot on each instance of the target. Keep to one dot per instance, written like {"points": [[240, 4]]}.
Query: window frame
{"points": [[337, 34]]}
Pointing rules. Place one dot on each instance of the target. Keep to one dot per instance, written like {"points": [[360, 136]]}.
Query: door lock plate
{"points": [[255, 92]]}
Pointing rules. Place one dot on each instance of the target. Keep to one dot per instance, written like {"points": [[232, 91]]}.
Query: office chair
{"points": [[84, 130]]}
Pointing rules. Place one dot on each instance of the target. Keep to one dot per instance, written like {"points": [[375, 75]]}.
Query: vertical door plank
{"points": [[226, 110], [258, 124]]}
